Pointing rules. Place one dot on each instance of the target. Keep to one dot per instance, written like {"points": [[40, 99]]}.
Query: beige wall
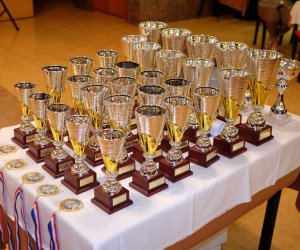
{"points": [[18, 8]]}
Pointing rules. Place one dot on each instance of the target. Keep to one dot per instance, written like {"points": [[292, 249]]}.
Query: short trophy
{"points": [[111, 196], [105, 75], [263, 66], [150, 121], [59, 160], [206, 102], [79, 178], [119, 109], [151, 77], [26, 132], [107, 58], [128, 42], [41, 146], [93, 98], [128, 69], [175, 38], [152, 29], [232, 84], [174, 166], [81, 65]]}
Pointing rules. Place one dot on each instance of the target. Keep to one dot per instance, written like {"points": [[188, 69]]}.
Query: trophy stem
{"points": [[278, 110], [41, 138], [203, 142], [256, 120], [26, 126], [94, 139], [58, 152], [149, 169], [230, 133], [193, 120], [79, 168], [247, 101], [111, 186], [175, 154]]}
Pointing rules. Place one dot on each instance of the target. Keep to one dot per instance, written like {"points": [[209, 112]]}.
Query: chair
{"points": [[9, 15]]}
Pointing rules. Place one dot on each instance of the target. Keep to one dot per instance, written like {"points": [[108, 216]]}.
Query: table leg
{"points": [[269, 222]]}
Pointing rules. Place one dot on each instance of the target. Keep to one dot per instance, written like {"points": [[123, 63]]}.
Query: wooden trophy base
{"points": [[22, 139], [37, 153], [131, 141], [80, 184], [57, 168], [175, 173], [165, 144], [125, 169], [228, 149], [137, 154], [204, 159], [237, 121], [255, 137], [111, 204], [148, 187], [93, 156], [192, 134]]}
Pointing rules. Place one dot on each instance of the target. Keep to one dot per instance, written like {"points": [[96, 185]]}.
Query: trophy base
{"points": [[192, 134], [175, 173], [204, 159], [256, 137], [80, 184], [165, 144], [278, 120], [111, 204], [93, 157], [146, 186], [22, 139], [56, 168], [38, 153], [229, 149], [131, 141], [137, 154], [237, 121]]}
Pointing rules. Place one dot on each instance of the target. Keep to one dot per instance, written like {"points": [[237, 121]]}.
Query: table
{"points": [[195, 203]]}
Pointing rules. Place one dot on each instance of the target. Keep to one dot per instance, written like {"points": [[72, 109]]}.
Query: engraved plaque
{"points": [[132, 143], [64, 166], [86, 181], [30, 138], [46, 151], [237, 146], [184, 144], [158, 153], [98, 156], [182, 169], [211, 155], [264, 134], [126, 169], [133, 121], [156, 183], [198, 133], [119, 199]]}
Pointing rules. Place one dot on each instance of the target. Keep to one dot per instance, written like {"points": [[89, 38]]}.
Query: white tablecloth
{"points": [[168, 216]]}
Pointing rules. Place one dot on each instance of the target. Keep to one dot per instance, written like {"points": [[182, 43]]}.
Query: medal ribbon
{"points": [[52, 228], [35, 214]]}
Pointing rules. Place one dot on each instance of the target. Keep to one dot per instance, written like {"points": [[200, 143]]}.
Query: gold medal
{"points": [[70, 205], [48, 190], [15, 164], [32, 177], [7, 149]]}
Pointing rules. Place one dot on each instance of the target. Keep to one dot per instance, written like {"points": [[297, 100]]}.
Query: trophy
{"points": [[107, 58], [127, 69], [143, 54], [232, 84], [206, 102], [79, 178], [174, 166], [174, 38], [81, 65], [26, 132], [93, 99], [150, 121], [152, 29], [119, 109], [263, 66], [55, 78], [169, 62], [198, 72], [128, 42], [177, 87], [151, 77], [289, 69], [41, 146], [111, 196], [59, 160], [105, 75], [201, 46]]}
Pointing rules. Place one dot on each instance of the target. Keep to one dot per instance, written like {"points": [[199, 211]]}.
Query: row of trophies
{"points": [[166, 96]]}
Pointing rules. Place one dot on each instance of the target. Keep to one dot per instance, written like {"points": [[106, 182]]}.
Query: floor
{"points": [[60, 31]]}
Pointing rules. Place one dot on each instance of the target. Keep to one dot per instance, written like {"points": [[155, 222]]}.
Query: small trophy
{"points": [[128, 42], [150, 121], [119, 109], [79, 178], [263, 66], [206, 102], [151, 77], [105, 75], [175, 38], [152, 29], [128, 69], [111, 196], [93, 98], [59, 160], [107, 58], [233, 84], [26, 132], [41, 146], [81, 65], [174, 166]]}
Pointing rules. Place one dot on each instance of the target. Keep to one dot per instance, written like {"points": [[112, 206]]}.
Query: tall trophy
{"points": [[206, 102], [152, 29], [233, 84], [174, 166], [111, 196], [263, 66], [150, 121], [81, 65], [26, 132], [175, 38], [119, 109], [105, 75], [107, 58], [93, 98], [128, 42], [55, 78], [79, 178], [289, 70], [41, 146], [59, 160], [128, 69], [151, 77]]}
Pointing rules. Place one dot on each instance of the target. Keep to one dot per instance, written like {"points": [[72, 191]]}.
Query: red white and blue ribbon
{"points": [[10, 239], [52, 228], [19, 195], [37, 225]]}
